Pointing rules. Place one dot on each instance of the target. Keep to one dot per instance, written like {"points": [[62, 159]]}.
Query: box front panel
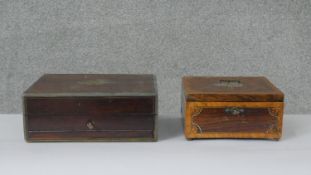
{"points": [[89, 105], [87, 118], [233, 120]]}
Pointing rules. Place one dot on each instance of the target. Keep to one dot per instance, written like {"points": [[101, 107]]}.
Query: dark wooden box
{"points": [[231, 107], [91, 107]]}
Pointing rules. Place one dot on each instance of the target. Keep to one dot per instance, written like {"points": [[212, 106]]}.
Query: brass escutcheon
{"points": [[90, 124], [234, 110]]}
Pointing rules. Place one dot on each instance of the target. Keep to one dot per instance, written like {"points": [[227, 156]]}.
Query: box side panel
{"points": [[234, 120], [25, 118], [90, 105], [184, 106], [89, 118]]}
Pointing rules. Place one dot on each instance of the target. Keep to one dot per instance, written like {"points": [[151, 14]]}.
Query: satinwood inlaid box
{"points": [[231, 107], [91, 107]]}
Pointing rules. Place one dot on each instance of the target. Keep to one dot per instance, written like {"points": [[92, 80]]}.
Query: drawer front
{"points": [[233, 120], [90, 122], [88, 118], [86, 127]]}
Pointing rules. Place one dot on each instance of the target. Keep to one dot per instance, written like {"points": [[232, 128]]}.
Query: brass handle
{"points": [[234, 110], [90, 124]]}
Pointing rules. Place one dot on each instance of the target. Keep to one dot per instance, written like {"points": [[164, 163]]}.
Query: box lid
{"points": [[54, 85], [230, 89]]}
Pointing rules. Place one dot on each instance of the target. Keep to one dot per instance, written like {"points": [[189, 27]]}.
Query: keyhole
{"points": [[90, 124]]}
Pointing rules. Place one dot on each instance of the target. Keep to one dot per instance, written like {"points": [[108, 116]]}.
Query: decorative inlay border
{"points": [[274, 112], [195, 112]]}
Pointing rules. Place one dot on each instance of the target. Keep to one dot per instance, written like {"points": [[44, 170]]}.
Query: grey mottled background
{"points": [[168, 38]]}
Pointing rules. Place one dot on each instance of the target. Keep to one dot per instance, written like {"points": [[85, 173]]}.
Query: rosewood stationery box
{"points": [[231, 107], [91, 107]]}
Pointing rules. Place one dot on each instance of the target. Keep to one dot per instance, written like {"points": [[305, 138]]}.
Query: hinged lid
{"points": [[230, 89], [123, 85]]}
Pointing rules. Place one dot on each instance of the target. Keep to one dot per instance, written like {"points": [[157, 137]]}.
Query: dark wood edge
{"points": [[25, 121], [26, 92], [154, 139], [277, 90]]}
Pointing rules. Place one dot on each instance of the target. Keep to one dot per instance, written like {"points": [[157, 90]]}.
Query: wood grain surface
{"points": [[231, 107], [210, 120], [66, 108], [230, 89]]}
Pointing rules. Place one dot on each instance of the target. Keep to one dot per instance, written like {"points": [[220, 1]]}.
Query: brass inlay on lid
{"points": [[229, 83]]}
